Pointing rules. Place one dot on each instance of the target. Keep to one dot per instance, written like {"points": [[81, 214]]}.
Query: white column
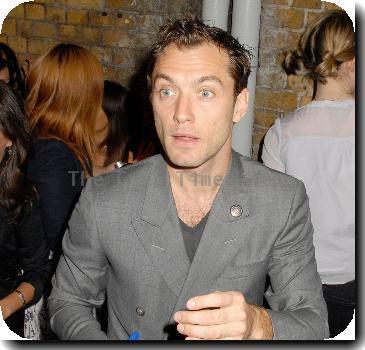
{"points": [[246, 28], [215, 13]]}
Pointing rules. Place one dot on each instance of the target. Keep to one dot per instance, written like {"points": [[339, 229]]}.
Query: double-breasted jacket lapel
{"points": [[159, 231], [223, 236]]}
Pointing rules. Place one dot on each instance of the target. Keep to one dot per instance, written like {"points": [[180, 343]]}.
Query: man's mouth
{"points": [[185, 138]]}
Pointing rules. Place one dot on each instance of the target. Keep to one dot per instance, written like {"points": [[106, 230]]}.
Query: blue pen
{"points": [[134, 336]]}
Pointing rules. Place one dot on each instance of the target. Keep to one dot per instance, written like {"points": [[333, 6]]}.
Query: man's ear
{"points": [[240, 106]]}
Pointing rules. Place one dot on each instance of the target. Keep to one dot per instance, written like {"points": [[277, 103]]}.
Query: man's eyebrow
{"points": [[210, 78], [163, 76]]}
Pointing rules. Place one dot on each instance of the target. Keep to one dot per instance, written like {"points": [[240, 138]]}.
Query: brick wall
{"points": [[120, 31], [282, 22]]}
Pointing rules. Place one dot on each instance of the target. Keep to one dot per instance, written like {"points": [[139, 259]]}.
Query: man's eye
{"points": [[206, 93], [166, 92]]}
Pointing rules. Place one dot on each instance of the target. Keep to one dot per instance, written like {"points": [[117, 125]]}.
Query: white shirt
{"points": [[316, 144]]}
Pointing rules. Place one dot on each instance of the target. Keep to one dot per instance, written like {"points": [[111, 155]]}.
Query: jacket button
{"points": [[236, 211], [140, 311]]}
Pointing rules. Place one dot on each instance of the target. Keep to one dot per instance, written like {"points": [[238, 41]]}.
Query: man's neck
{"points": [[201, 181], [194, 190]]}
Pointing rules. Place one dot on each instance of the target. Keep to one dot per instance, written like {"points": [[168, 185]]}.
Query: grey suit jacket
{"points": [[124, 240]]}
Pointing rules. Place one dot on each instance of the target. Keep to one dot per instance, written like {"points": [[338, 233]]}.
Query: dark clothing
{"points": [[23, 257], [57, 175], [192, 236], [341, 302]]}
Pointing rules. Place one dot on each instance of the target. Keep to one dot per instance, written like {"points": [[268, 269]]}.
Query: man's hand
{"points": [[223, 316]]}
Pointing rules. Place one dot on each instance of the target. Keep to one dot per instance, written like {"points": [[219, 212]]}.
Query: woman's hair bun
{"points": [[328, 67], [291, 63], [326, 43]]}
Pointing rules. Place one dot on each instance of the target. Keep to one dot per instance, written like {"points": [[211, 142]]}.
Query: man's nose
{"points": [[183, 109]]}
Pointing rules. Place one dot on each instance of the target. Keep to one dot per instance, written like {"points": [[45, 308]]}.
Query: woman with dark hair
{"points": [[10, 71], [112, 130], [124, 133], [316, 144], [24, 264]]}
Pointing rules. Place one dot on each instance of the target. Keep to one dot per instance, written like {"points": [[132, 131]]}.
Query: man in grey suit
{"points": [[189, 243]]}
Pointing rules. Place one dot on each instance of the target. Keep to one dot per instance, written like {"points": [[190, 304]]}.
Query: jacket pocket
{"points": [[257, 269]]}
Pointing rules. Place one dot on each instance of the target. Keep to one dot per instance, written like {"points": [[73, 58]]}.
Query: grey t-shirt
{"points": [[192, 236]]}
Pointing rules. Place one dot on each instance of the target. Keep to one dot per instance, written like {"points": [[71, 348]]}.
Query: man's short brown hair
{"points": [[190, 32]]}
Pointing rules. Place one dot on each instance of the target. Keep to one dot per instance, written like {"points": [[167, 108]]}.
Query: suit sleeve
{"points": [[298, 310], [79, 281]]}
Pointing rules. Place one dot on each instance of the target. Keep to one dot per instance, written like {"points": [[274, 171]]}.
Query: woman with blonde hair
{"points": [[316, 144], [65, 90]]}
